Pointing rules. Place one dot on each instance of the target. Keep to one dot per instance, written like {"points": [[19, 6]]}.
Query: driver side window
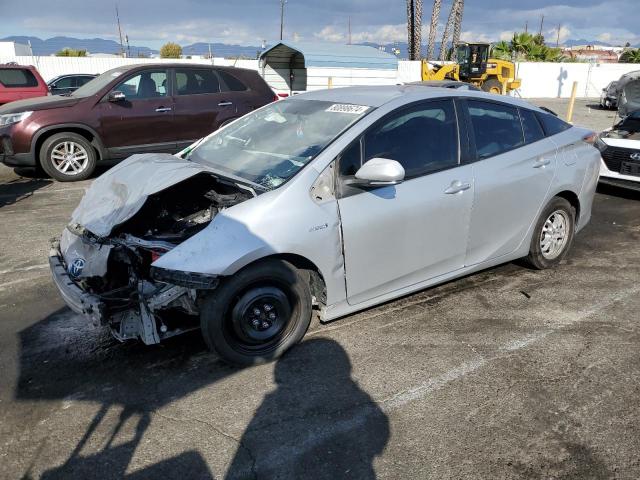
{"points": [[423, 138]]}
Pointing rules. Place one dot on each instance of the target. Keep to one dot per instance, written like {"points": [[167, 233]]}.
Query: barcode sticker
{"points": [[347, 108]]}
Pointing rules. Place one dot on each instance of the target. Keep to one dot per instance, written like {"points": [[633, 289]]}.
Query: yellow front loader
{"points": [[474, 66]]}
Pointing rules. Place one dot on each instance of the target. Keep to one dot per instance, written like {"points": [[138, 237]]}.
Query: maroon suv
{"points": [[130, 109]]}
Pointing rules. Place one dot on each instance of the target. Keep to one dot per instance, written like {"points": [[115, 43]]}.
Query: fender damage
{"points": [[128, 219]]}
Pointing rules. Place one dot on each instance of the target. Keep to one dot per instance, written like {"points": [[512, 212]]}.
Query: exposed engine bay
{"points": [[136, 300]]}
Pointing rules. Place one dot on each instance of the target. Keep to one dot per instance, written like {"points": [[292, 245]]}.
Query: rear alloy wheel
{"points": [[492, 85], [257, 314], [68, 157], [553, 234]]}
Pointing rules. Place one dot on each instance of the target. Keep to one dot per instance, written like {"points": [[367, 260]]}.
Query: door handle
{"points": [[541, 162], [163, 109], [457, 186], [225, 104]]}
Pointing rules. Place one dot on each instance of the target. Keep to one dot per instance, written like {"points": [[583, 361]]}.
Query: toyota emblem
{"points": [[635, 156], [75, 269]]}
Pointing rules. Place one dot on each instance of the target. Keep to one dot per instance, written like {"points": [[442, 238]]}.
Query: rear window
{"points": [[531, 126], [17, 78], [233, 84], [196, 81], [552, 124], [496, 128]]}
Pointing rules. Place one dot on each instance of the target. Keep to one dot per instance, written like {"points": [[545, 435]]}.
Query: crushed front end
{"points": [[110, 279]]}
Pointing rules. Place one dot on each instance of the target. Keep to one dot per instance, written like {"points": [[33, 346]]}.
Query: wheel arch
{"points": [[87, 132], [573, 199], [317, 281]]}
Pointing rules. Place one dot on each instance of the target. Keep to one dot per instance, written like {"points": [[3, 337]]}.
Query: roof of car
{"points": [[380, 95]]}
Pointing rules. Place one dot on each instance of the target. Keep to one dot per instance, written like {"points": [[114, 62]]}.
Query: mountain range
{"points": [[100, 45]]}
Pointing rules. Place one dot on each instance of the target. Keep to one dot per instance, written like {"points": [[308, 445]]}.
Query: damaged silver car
{"points": [[334, 200]]}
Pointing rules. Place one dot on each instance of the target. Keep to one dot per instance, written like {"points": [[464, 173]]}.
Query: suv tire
{"points": [[68, 157]]}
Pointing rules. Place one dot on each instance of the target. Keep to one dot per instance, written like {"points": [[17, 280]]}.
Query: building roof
{"points": [[332, 55]]}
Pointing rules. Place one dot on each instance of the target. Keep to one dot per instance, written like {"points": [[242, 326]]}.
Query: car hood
{"points": [[39, 103], [118, 194]]}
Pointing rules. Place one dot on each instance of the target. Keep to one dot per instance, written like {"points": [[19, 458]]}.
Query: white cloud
{"points": [[604, 37], [330, 34], [506, 36], [382, 34], [471, 36], [553, 34]]}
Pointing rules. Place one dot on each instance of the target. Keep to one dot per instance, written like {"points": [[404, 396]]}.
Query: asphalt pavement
{"points": [[508, 373]]}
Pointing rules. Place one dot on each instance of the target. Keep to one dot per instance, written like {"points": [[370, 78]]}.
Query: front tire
{"points": [[257, 314], [553, 234], [68, 157], [492, 85]]}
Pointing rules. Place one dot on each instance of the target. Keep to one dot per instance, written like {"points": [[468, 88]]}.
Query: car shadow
{"points": [[621, 192], [19, 189], [317, 406]]}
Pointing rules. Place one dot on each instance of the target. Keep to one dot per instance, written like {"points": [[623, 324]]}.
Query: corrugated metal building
{"points": [[295, 67]]}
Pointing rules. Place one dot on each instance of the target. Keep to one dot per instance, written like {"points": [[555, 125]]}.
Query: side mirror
{"points": [[379, 172], [116, 96]]}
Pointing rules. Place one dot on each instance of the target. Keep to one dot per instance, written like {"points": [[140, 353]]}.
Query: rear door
{"points": [[398, 236], [143, 122], [19, 84], [513, 171], [202, 103]]}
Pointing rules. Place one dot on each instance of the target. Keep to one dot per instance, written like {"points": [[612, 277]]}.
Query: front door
{"points": [[513, 175], [398, 236], [143, 121]]}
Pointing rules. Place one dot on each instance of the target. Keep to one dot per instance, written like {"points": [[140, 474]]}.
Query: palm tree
{"points": [[501, 50], [630, 56]]}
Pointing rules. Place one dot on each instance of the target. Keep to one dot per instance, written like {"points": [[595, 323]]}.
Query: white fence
{"points": [[539, 80]]}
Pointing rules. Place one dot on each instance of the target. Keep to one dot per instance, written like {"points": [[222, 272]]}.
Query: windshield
{"points": [[94, 86], [272, 144]]}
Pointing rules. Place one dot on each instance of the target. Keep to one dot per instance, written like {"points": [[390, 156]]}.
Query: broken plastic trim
{"points": [[197, 281]]}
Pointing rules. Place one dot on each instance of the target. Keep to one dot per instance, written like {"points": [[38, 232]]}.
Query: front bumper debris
{"points": [[78, 300]]}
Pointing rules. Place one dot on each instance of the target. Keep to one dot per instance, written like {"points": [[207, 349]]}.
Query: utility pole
{"points": [[126, 39], [541, 23], [282, 2], [349, 30], [526, 26], [558, 37], [119, 31]]}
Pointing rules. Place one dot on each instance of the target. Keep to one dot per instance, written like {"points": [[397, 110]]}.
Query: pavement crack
{"points": [[237, 441]]}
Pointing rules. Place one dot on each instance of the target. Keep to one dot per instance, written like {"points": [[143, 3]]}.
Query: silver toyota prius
{"points": [[331, 201]]}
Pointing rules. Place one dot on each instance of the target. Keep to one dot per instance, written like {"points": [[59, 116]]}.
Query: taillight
{"points": [[155, 255], [590, 138]]}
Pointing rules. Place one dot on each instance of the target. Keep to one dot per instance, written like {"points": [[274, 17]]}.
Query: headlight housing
{"points": [[599, 144], [11, 118]]}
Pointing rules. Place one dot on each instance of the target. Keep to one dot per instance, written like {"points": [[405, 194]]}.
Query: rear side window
{"points": [[496, 128], [193, 81], [82, 80], [532, 128], [17, 78], [232, 83], [422, 138], [552, 124]]}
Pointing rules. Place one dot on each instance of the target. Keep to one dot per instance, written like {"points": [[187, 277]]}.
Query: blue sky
{"points": [[247, 22]]}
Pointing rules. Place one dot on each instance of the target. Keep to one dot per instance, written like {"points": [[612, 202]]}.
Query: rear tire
{"points": [[553, 235], [68, 157], [257, 314], [492, 85]]}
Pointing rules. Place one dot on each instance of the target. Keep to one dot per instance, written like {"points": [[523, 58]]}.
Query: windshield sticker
{"points": [[347, 108]]}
